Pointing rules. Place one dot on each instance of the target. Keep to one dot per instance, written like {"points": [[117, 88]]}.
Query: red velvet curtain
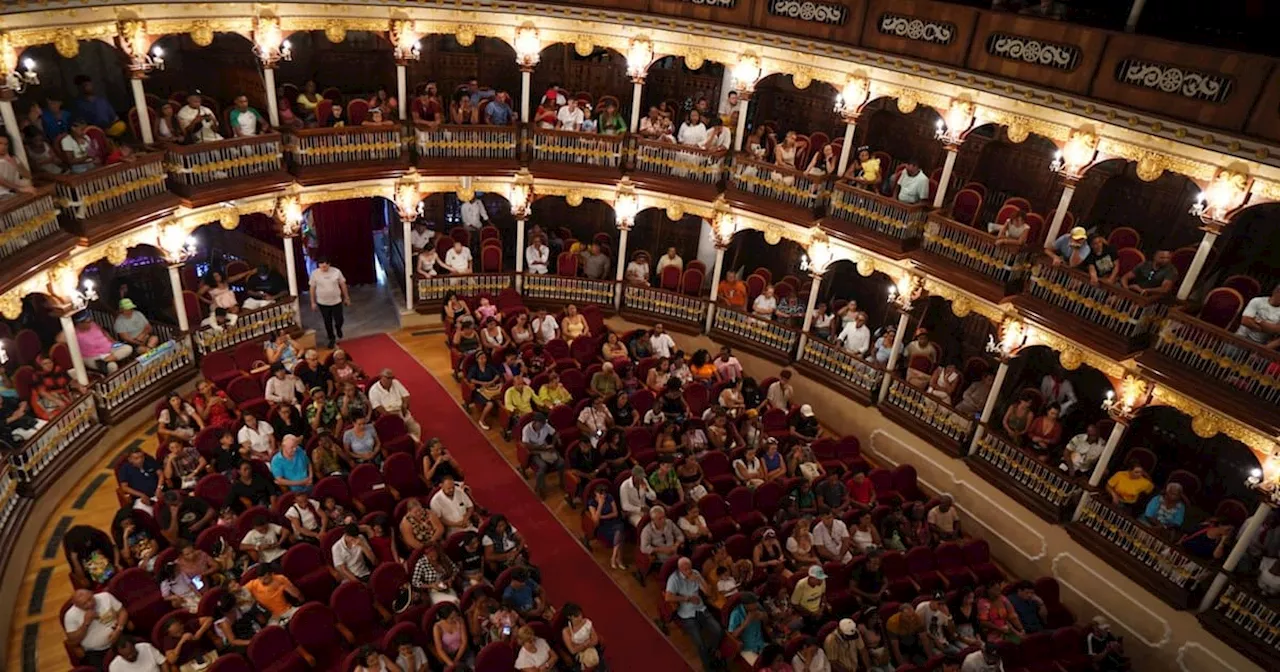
{"points": [[344, 232]]}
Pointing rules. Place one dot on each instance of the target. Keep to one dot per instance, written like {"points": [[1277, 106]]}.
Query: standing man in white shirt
{"points": [[855, 336], [537, 256], [93, 624], [913, 184], [660, 342], [420, 236], [197, 121], [328, 295], [474, 214], [389, 396], [352, 555], [570, 116]]}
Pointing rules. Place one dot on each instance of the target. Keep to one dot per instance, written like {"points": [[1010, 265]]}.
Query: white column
{"points": [[11, 126], [402, 91], [726, 86], [1197, 264], [291, 273], [1135, 12], [893, 355], [744, 101], [950, 165], [990, 406], [808, 312], [1060, 214], [1243, 540], [636, 89], [622, 266], [519, 254], [846, 150], [273, 108], [525, 76], [73, 345], [1100, 469], [179, 304], [144, 116], [410, 270], [715, 284]]}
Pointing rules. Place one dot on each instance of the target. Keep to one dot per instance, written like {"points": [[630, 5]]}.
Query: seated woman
{"points": [[438, 464], [656, 379], [215, 407], [420, 526], [485, 311], [216, 291], [179, 420], [492, 336], [799, 547], [521, 333], [1018, 419], [945, 383], [768, 555], [613, 350], [672, 403], [803, 463], [719, 435], [862, 492], [466, 338], [352, 403], [343, 369], [183, 466], [360, 443], [503, 546], [775, 465], [553, 393], [638, 270], [454, 308], [749, 469], [1044, 433], [997, 617], [1211, 541], [282, 349], [580, 638], [732, 400], [429, 263], [286, 420], [624, 414], [574, 324], [485, 379], [702, 368], [177, 588]]}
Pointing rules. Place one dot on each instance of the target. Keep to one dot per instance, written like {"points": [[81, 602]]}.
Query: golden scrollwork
{"points": [[465, 193], [1265, 190], [307, 198], [573, 197], [1152, 164], [694, 59], [11, 304], [335, 31], [908, 101], [675, 212], [802, 78], [584, 45], [961, 303], [465, 34], [201, 33], [115, 253], [1079, 355], [1070, 358], [1207, 423]]}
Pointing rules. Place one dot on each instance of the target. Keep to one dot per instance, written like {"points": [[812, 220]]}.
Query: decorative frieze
{"points": [[827, 13], [1206, 86], [1063, 57], [726, 4], [920, 30]]}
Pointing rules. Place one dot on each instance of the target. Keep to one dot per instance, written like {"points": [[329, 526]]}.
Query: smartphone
{"points": [[506, 631], [198, 582]]}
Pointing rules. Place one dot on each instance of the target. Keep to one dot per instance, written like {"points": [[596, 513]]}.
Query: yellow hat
{"points": [[1079, 233]]}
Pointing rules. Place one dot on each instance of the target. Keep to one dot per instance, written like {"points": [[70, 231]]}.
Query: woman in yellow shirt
{"points": [[865, 171], [553, 393], [574, 324], [1127, 487]]}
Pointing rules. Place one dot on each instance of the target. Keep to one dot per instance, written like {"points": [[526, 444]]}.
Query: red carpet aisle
{"points": [[569, 573]]}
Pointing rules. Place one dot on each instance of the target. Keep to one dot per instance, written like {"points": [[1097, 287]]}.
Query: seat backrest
{"points": [[1129, 258], [965, 206], [1123, 237], [1246, 285], [1182, 258], [1221, 307]]}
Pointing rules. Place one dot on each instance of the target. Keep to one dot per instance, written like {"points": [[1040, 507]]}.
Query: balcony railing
{"points": [[8, 501], [588, 149], [102, 190], [26, 219], [249, 325], [784, 185], [38, 452], [467, 142], [1161, 563], [434, 290], [1027, 474], [877, 214], [1108, 306], [756, 331], [568, 290], [1221, 355], [311, 147], [1250, 614], [844, 367], [207, 162], [975, 250], [666, 159], [937, 416], [138, 378], [664, 304]]}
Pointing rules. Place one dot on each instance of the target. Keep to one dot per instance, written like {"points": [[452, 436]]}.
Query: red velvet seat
{"points": [[400, 471], [1124, 237], [691, 281], [214, 489], [138, 591], [965, 206], [719, 520], [309, 570], [1059, 615], [368, 491], [1246, 285], [1128, 259], [219, 368], [230, 662], [718, 472], [273, 650], [977, 556], [742, 509], [496, 657], [923, 568], [697, 397], [1221, 307], [354, 605], [316, 630]]}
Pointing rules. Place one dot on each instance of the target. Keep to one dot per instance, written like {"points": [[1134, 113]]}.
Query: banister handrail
{"points": [[98, 191], [1040, 479], [199, 147], [1168, 559], [582, 135], [79, 179], [27, 217], [663, 144], [357, 129], [1180, 315], [745, 159], [248, 326], [72, 420], [664, 303], [1046, 263]]}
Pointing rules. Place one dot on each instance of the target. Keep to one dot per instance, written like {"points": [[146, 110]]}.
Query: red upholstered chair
{"points": [[1037, 228], [966, 206], [138, 591], [903, 478], [491, 259], [324, 110], [213, 489], [368, 491], [694, 263], [1068, 220], [400, 471], [306, 567], [61, 355], [1189, 481], [209, 539], [691, 281], [782, 290], [332, 486], [1246, 285], [357, 611], [697, 397], [1144, 457], [742, 508], [357, 110], [1221, 307], [977, 556], [1059, 615], [719, 520], [244, 388], [231, 662], [386, 581], [567, 264], [755, 287], [1232, 511], [669, 278], [1018, 201], [949, 561], [774, 423], [273, 650], [316, 630], [28, 345], [1128, 259], [496, 657], [1123, 237], [1182, 258], [976, 186], [1069, 649], [191, 303], [923, 569], [219, 368]]}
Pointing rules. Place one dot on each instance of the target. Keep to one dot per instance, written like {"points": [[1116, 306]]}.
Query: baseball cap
{"points": [[817, 573], [847, 627], [1078, 233], [127, 304], [806, 411], [1101, 623]]}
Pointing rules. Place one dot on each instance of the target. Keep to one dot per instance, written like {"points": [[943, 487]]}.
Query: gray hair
{"points": [[656, 509], [1173, 488]]}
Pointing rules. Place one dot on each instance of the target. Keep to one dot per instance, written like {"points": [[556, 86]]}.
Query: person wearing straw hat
{"points": [[133, 328]]}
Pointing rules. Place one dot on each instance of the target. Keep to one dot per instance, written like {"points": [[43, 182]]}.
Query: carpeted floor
{"points": [[569, 573]]}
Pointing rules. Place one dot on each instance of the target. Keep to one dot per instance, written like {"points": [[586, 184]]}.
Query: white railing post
{"points": [[715, 284], [846, 150], [1197, 263], [291, 271], [526, 74], [744, 101], [410, 271], [1135, 13], [273, 106], [73, 345], [1247, 534], [402, 90], [1100, 469], [140, 103], [622, 265], [1060, 214], [990, 406], [941, 196], [179, 304], [808, 311], [520, 254], [636, 88], [893, 354]]}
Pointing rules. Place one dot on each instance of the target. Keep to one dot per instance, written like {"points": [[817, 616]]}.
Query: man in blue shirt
{"points": [[96, 110], [1029, 607], [524, 594], [55, 120], [1070, 249], [745, 622], [684, 588], [498, 112], [290, 466], [139, 477]]}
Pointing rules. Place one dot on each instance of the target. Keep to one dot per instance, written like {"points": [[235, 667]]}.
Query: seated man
{"points": [[810, 595], [98, 349], [1082, 452], [275, 593], [93, 623], [352, 555], [183, 516], [944, 519], [264, 287], [605, 383], [389, 396], [246, 121], [1155, 277], [265, 542], [134, 656], [139, 477], [525, 595], [732, 292], [975, 396], [908, 638], [913, 184], [197, 122], [454, 506], [1070, 249], [540, 438], [133, 328], [283, 387], [661, 538], [1260, 321], [1029, 607]]}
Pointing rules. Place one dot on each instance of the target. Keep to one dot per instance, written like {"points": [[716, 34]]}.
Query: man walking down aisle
{"points": [[328, 295]]}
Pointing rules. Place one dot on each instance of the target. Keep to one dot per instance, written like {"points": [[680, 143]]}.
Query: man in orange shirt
{"points": [[273, 591], [733, 292]]}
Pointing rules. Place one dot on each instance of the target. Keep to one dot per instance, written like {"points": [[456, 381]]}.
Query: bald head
{"points": [[83, 599]]}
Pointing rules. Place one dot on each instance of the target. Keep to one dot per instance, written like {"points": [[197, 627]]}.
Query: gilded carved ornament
{"points": [[1072, 357], [307, 198], [1018, 127], [465, 34], [866, 266], [201, 30], [675, 212], [575, 195], [1207, 423], [961, 303], [1152, 164], [465, 193]]}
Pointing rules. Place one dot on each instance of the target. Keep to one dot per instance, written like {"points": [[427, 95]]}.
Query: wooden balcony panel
{"points": [[37, 256], [928, 417], [429, 293], [1034, 483], [1058, 54], [1246, 621], [346, 153], [210, 172], [968, 257], [879, 223], [486, 150], [676, 310], [942, 34], [33, 238], [671, 168], [42, 459], [569, 155], [776, 192], [841, 369], [766, 338], [107, 201], [1217, 368]]}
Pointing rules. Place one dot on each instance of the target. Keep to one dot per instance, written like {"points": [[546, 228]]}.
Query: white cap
{"points": [[806, 411], [848, 627]]}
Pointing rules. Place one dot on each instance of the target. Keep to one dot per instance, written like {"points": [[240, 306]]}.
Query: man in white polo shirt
{"points": [[389, 396], [329, 295], [454, 506], [352, 555], [134, 656], [93, 623]]}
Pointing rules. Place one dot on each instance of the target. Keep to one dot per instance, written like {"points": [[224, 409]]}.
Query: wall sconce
{"points": [[639, 57], [818, 257], [746, 72], [1076, 155], [408, 201], [269, 44], [78, 298], [625, 204], [4, 355], [955, 123], [724, 223], [1014, 334], [133, 41], [18, 74], [1224, 195], [1134, 394], [528, 46], [905, 290], [405, 41], [177, 245], [521, 195], [1266, 481], [852, 97], [289, 214]]}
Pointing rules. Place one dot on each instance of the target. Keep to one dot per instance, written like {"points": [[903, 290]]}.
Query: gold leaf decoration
{"points": [[584, 45], [66, 43], [675, 212], [116, 253], [201, 33], [961, 306], [229, 219], [335, 31], [772, 234], [1017, 131], [465, 34], [694, 60], [573, 197], [1151, 166], [802, 79], [1206, 425], [465, 194], [908, 101], [866, 266], [11, 304], [1070, 358]]}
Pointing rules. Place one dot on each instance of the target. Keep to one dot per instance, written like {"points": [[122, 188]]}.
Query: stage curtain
{"points": [[344, 233]]}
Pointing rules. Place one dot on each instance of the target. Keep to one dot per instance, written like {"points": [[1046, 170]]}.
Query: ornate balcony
{"points": [[430, 292], [148, 376], [591, 151], [559, 289], [52, 448], [249, 326], [764, 186], [1036, 484], [690, 167], [1116, 320], [486, 148], [102, 200], [878, 222], [928, 416], [346, 152], [964, 253], [1246, 620], [765, 337], [842, 369], [30, 221], [665, 306], [204, 171]]}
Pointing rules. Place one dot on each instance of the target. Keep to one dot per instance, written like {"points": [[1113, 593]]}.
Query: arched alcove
{"points": [[903, 136], [780, 104], [1112, 195], [671, 80], [142, 277], [748, 250], [842, 284], [602, 73], [359, 65], [223, 70], [565, 223], [654, 232], [1008, 169], [1029, 370], [1247, 247], [959, 338], [97, 60], [449, 64]]}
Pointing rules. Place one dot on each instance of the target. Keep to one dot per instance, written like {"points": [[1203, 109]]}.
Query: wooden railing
{"points": [[588, 149], [568, 290], [1160, 561], [310, 147], [1108, 306], [27, 218], [932, 413], [877, 214], [102, 190], [784, 185], [975, 250], [845, 367], [664, 304], [9, 501], [207, 162], [1221, 355], [668, 159], [1250, 614], [434, 290], [467, 142], [249, 325], [39, 451], [1025, 471], [139, 378], [756, 331]]}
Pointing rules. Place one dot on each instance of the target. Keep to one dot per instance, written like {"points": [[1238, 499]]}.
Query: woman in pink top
{"points": [[97, 349]]}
